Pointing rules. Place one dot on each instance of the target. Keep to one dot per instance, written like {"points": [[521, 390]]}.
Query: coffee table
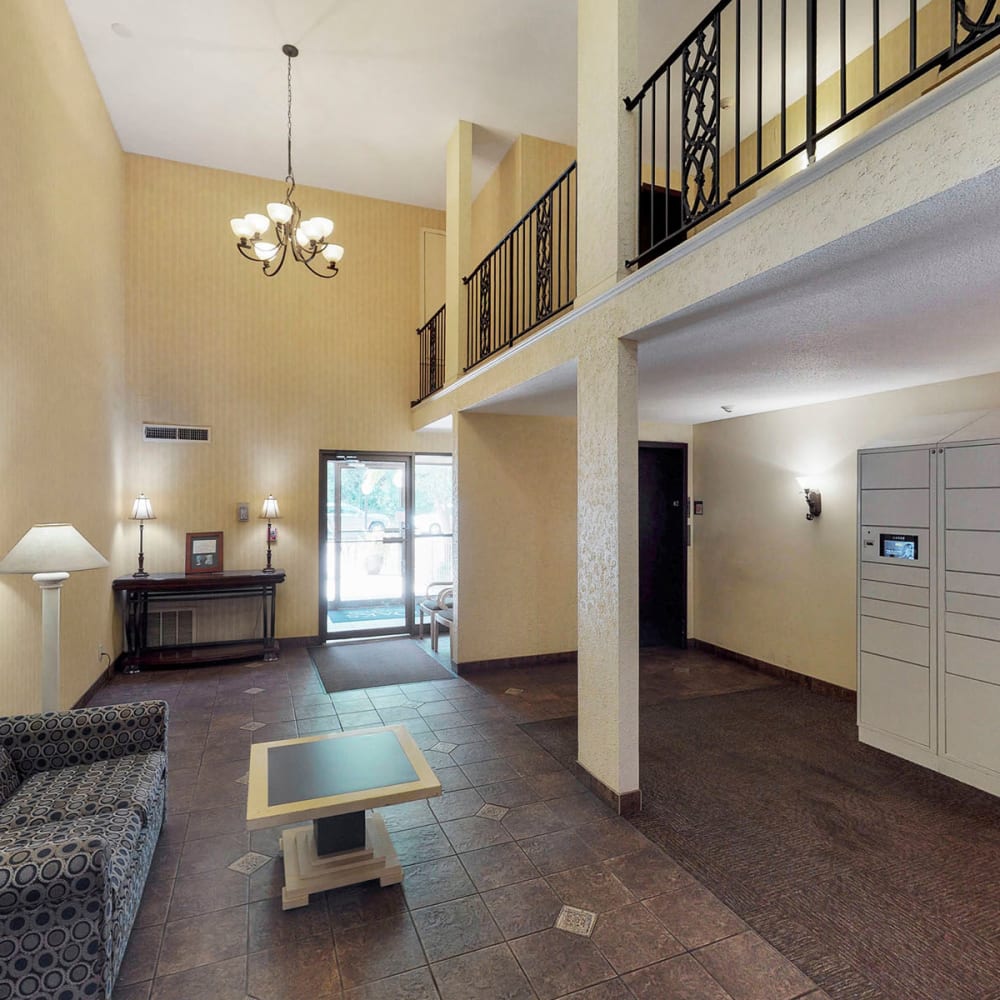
{"points": [[332, 779]]}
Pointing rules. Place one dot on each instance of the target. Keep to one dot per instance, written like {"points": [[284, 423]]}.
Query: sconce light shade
{"points": [[814, 499]]}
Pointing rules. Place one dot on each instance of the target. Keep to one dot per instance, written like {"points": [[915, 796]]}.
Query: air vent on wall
{"points": [[171, 432], [173, 627]]}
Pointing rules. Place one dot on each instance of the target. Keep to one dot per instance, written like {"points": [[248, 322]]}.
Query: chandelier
{"points": [[306, 238]]}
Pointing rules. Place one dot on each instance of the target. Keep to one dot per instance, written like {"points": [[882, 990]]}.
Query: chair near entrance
{"points": [[445, 615], [432, 605]]}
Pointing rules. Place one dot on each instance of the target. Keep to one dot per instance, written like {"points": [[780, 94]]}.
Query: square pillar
{"points": [[607, 154], [608, 574]]}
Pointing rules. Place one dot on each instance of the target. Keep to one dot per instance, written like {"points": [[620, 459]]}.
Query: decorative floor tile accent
{"points": [[444, 747], [245, 780], [576, 921], [253, 726], [254, 691], [490, 811], [249, 863], [514, 691]]}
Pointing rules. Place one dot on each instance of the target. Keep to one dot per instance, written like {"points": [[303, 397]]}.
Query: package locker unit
{"points": [[929, 601]]}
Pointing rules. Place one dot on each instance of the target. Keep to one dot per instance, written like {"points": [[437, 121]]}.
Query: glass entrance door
{"points": [[366, 583]]}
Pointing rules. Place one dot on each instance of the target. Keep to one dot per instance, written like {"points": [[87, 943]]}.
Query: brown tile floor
{"points": [[475, 915]]}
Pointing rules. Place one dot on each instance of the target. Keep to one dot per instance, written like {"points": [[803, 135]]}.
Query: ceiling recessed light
{"points": [[121, 30]]}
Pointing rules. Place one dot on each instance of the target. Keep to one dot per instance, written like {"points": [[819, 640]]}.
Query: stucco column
{"points": [[608, 570], [607, 72], [458, 246]]}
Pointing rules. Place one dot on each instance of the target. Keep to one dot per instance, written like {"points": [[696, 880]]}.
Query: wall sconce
{"points": [[814, 500], [269, 512]]}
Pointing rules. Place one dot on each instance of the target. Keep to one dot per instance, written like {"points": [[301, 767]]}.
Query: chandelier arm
{"points": [[247, 250], [280, 258], [330, 271]]}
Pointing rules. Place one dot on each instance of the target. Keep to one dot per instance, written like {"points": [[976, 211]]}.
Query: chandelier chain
{"points": [[291, 176]]}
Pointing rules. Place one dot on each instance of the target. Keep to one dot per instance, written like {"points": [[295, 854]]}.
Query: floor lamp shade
{"points": [[50, 552]]}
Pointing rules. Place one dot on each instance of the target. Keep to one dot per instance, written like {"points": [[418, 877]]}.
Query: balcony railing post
{"points": [[811, 82]]}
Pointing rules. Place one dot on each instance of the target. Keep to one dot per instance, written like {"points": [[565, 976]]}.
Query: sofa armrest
{"points": [[82, 736], [39, 873]]}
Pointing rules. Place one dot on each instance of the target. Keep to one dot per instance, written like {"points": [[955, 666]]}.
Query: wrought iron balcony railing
{"points": [[761, 84], [528, 277], [431, 336]]}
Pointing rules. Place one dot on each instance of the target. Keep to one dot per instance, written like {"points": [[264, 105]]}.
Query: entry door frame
{"points": [[339, 454], [684, 541]]}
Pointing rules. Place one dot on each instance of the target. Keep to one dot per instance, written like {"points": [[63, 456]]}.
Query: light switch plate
{"points": [[243, 512]]}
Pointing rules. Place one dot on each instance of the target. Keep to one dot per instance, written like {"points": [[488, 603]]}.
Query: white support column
{"points": [[458, 246], [607, 155], [608, 570]]}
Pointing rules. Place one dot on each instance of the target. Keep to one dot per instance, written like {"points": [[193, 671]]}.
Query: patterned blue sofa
{"points": [[82, 797]]}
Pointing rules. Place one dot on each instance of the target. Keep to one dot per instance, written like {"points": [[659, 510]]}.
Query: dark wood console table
{"points": [[140, 590]]}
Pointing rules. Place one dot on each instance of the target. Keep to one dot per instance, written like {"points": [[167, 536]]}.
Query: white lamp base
{"points": [[51, 586]]}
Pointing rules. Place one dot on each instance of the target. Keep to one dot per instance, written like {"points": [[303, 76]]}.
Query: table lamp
{"points": [[50, 552], [271, 512], [142, 511]]}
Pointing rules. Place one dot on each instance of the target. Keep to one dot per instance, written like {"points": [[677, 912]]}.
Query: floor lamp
{"points": [[50, 552]]}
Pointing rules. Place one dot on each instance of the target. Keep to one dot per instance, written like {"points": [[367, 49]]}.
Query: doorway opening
{"points": [[663, 540], [385, 532]]}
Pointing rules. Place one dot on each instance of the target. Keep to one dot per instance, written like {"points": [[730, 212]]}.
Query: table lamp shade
{"points": [[142, 509], [52, 548], [270, 509]]}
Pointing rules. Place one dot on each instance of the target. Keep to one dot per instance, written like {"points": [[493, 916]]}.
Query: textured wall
{"points": [[277, 367], [770, 584], [61, 329], [516, 484]]}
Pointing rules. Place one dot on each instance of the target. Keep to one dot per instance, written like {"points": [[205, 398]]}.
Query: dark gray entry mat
{"points": [[346, 666]]}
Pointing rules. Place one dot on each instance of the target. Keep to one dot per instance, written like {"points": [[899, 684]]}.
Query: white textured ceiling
{"points": [[907, 301], [377, 88]]}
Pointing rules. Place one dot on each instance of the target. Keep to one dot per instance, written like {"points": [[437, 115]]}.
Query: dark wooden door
{"points": [[663, 545]]}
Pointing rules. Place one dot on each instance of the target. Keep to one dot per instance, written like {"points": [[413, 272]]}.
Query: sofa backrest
{"points": [[10, 779]]}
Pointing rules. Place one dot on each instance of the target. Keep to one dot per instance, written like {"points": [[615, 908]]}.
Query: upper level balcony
{"points": [[757, 92]]}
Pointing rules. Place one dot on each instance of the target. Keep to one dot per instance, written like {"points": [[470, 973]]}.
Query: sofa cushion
{"points": [[105, 786], [57, 843], [10, 779]]}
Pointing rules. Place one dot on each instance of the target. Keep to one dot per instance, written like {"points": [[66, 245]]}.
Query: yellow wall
{"points": [[277, 367], [770, 584], [521, 178], [516, 580], [61, 329]]}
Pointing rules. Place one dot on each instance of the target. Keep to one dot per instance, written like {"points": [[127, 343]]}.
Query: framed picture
{"points": [[203, 552]]}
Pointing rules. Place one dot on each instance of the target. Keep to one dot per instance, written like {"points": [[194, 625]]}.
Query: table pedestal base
{"points": [[306, 871]]}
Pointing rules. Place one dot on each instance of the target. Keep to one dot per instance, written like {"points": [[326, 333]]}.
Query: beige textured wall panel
{"points": [[768, 583], [61, 328], [516, 484], [497, 206], [277, 367]]}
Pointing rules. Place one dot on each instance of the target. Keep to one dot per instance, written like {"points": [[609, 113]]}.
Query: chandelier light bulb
{"points": [[307, 243], [280, 212]]}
